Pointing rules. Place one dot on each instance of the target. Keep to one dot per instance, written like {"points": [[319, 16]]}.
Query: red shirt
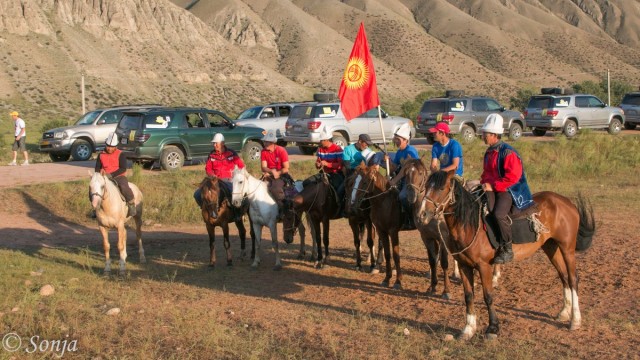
{"points": [[512, 170], [333, 156], [274, 158], [222, 164], [114, 163]]}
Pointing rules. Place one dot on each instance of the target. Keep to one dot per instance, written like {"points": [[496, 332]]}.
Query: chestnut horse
{"points": [[318, 200], [216, 212], [567, 228]]}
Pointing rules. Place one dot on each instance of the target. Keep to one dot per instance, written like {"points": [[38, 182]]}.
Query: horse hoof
{"points": [[143, 260], [277, 267], [375, 271], [446, 296], [491, 336], [466, 336], [229, 263], [106, 274], [318, 265], [563, 316], [385, 283], [211, 267], [574, 327], [397, 286]]}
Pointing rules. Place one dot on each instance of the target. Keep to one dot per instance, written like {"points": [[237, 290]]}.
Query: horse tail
{"points": [[587, 224]]}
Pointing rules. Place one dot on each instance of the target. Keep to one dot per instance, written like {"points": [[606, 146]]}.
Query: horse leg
{"points": [[211, 231], [373, 250], [274, 242], [105, 244], [432, 255], [355, 230], [555, 256], [467, 283], [303, 251], [379, 256], [302, 231], [384, 237], [444, 263], [122, 247], [317, 243], [227, 244], [242, 232], [486, 274], [325, 239], [138, 220], [456, 269], [496, 275], [252, 232], [395, 241], [256, 259]]}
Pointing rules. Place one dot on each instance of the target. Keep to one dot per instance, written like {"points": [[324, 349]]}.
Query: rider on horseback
{"points": [[356, 153], [220, 164], [445, 150], [113, 162], [401, 139], [330, 161], [504, 182], [274, 162]]}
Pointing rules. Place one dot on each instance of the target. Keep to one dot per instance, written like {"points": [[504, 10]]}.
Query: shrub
{"points": [[52, 124]]}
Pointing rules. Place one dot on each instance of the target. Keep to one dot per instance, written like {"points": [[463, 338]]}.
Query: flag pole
{"points": [[384, 141]]}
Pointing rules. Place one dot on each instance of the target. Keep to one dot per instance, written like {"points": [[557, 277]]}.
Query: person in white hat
{"points": [[504, 182], [274, 162], [19, 142], [401, 139], [330, 161], [112, 161], [220, 163]]}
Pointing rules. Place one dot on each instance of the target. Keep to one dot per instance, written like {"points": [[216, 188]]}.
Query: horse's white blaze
{"points": [[356, 185]]}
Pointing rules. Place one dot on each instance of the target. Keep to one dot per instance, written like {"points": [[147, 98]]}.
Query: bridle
{"points": [[420, 189]]}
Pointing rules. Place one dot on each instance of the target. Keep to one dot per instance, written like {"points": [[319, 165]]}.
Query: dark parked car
{"points": [[631, 107], [173, 135]]}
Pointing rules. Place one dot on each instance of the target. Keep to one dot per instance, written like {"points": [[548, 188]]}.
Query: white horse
{"points": [[263, 209], [111, 212]]}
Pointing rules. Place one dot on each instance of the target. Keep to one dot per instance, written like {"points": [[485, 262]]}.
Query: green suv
{"points": [[173, 135]]}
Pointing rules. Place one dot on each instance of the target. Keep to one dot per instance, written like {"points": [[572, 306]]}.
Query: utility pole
{"points": [[84, 111], [608, 88]]}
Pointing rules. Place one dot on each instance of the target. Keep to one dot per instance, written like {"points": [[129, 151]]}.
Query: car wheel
{"points": [[570, 129], [539, 132], [58, 157], [629, 126], [251, 150], [172, 158], [515, 131], [468, 134], [615, 127], [340, 141], [81, 150], [307, 150]]}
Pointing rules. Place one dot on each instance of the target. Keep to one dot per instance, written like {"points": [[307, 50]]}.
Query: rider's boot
{"points": [[131, 208], [504, 254]]}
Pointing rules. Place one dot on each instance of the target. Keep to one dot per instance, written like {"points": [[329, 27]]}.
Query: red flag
{"points": [[358, 89]]}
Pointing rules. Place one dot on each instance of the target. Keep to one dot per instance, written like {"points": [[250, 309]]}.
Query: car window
{"points": [[457, 105], [582, 102], [540, 102], [155, 121], [301, 112], [594, 102], [88, 118], [631, 99], [284, 110], [373, 113], [562, 101], [216, 119], [194, 120], [130, 121], [479, 105], [433, 107], [111, 117], [251, 113], [326, 111], [493, 105], [268, 112]]}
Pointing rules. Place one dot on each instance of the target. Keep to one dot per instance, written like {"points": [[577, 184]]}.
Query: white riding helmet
{"points": [[112, 139], [270, 137], [404, 131], [217, 138], [325, 134], [493, 124]]}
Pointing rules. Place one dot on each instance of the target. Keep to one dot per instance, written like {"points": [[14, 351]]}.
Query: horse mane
{"points": [[466, 207]]}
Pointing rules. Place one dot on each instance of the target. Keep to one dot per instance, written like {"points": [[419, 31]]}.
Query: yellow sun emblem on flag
{"points": [[356, 74]]}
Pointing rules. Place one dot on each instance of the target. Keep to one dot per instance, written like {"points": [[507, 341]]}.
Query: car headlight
{"points": [[60, 135]]}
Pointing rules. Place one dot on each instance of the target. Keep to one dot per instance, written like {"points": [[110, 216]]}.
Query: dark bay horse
{"points": [[318, 200], [359, 221], [385, 216], [566, 228], [217, 212]]}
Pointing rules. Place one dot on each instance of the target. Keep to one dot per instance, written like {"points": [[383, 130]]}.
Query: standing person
{"points": [[446, 151], [356, 153], [504, 181], [401, 139], [112, 161], [19, 142], [220, 164], [274, 162], [330, 161]]}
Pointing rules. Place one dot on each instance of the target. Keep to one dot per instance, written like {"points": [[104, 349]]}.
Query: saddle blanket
{"points": [[522, 231]]}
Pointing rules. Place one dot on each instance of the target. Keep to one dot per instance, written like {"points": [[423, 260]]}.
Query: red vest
{"points": [[110, 162]]}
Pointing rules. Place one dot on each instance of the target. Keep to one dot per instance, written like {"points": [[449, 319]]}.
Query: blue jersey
{"points": [[409, 151], [446, 153]]}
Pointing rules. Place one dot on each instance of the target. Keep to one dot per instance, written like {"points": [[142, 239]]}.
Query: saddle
{"points": [[117, 187]]}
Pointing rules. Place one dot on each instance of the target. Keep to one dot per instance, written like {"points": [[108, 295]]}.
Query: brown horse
{"points": [[565, 230], [385, 216], [217, 212], [318, 200], [359, 221]]}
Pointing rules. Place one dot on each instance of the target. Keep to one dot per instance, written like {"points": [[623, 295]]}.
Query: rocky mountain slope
{"points": [[230, 54]]}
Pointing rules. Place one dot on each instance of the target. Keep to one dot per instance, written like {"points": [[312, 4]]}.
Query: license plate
{"points": [[124, 141], [44, 142], [297, 128]]}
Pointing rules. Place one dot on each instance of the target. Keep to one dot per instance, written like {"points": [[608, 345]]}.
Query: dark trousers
{"points": [[500, 205], [225, 191], [337, 181], [123, 185]]}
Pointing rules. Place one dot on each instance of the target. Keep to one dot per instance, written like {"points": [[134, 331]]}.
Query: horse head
{"points": [[415, 174], [438, 196], [239, 182], [210, 190], [96, 189]]}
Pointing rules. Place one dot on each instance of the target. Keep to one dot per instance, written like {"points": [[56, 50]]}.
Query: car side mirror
{"points": [[232, 125], [384, 114], [102, 122], [502, 108], [603, 105]]}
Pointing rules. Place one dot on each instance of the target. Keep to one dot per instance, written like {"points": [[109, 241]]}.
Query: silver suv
{"points": [[631, 107], [466, 115], [307, 120], [268, 117], [86, 136], [560, 110]]}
